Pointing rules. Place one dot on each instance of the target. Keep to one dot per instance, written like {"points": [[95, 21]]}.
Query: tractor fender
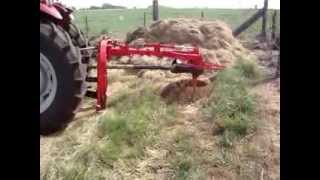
{"points": [[51, 11]]}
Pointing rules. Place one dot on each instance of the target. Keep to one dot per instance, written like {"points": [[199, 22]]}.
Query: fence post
{"points": [[144, 19], [155, 10], [264, 20], [274, 25], [278, 66], [248, 23], [86, 28]]}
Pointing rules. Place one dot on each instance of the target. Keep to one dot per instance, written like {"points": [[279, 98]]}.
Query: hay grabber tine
{"points": [[190, 62]]}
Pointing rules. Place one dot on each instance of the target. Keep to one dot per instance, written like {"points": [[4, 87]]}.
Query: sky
{"points": [[273, 4]]}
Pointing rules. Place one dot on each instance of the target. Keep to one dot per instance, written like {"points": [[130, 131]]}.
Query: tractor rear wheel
{"points": [[62, 78]]}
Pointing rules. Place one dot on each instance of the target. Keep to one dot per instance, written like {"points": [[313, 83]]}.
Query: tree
{"points": [[95, 7], [110, 6]]}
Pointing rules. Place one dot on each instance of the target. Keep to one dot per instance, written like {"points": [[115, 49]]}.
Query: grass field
{"points": [[118, 22]]}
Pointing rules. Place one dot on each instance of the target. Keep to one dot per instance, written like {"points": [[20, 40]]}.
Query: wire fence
{"points": [[119, 21]]}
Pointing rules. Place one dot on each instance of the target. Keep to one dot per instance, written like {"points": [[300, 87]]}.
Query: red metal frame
{"points": [[108, 48], [102, 84]]}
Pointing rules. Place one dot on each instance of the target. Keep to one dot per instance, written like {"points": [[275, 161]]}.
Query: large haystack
{"points": [[215, 38]]}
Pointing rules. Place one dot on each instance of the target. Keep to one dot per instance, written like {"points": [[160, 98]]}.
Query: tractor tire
{"points": [[77, 36], [79, 40], [62, 79]]}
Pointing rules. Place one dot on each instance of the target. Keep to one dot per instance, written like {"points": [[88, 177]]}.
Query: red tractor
{"points": [[62, 66], [64, 63]]}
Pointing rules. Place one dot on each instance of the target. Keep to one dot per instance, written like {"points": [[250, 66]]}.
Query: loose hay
{"points": [[206, 34], [215, 39]]}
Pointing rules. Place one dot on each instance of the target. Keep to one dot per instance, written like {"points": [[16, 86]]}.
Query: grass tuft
{"points": [[248, 68], [231, 106]]}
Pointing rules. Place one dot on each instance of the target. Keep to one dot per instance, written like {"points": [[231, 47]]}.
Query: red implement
{"points": [[193, 62]]}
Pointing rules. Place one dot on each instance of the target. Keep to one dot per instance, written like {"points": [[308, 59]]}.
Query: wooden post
{"points": [[274, 25], [144, 19], [248, 22], [264, 20], [155, 10], [278, 67], [86, 28]]}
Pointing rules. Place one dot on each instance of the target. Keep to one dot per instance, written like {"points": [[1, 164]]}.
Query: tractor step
{"points": [[91, 79], [91, 94]]}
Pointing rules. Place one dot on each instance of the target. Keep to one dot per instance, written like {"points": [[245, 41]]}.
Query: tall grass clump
{"points": [[231, 107], [248, 69]]}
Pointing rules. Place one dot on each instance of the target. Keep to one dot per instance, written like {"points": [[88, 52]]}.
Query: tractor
{"points": [[62, 66], [66, 58]]}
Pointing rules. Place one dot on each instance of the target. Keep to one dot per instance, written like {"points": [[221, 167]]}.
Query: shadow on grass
{"points": [[265, 80]]}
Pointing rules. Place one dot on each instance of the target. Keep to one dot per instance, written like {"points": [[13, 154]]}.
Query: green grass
{"points": [[249, 69], [186, 159], [231, 106], [129, 126], [182, 160], [118, 22]]}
